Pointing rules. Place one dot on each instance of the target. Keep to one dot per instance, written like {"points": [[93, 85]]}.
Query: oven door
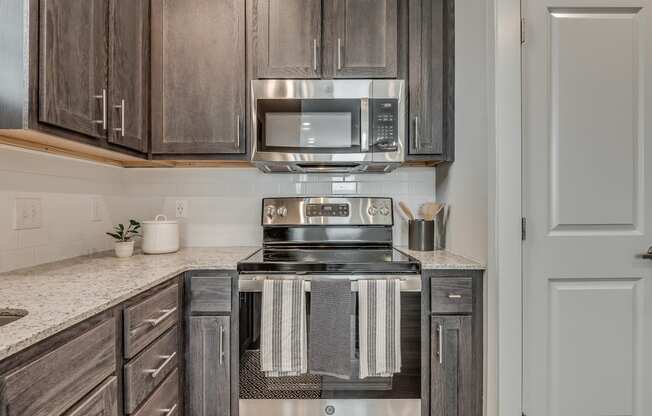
{"points": [[310, 395]]}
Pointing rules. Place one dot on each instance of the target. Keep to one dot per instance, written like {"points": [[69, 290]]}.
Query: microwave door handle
{"points": [[364, 125]]}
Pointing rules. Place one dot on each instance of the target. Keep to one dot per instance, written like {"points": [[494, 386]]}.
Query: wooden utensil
{"points": [[429, 210], [406, 210]]}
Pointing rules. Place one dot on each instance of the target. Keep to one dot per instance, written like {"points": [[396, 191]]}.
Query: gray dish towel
{"points": [[283, 343], [331, 320], [380, 327]]}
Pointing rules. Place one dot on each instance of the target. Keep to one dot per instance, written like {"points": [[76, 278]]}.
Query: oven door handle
{"points": [[254, 283]]}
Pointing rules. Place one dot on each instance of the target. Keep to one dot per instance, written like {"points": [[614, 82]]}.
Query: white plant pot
{"points": [[124, 249]]}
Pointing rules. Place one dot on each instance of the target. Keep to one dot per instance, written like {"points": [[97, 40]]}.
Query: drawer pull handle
{"points": [[166, 315], [155, 372], [221, 345], [440, 346], [454, 296], [170, 411]]}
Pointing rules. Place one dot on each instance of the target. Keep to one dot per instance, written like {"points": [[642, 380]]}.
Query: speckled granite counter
{"points": [[431, 260], [59, 295]]}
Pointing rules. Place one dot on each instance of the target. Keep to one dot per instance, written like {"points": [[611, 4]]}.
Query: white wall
{"points": [[464, 185], [224, 205]]}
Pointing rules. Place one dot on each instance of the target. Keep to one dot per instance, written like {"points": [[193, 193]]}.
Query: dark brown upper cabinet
{"points": [[432, 80], [287, 38], [198, 77], [361, 38], [73, 65], [129, 74], [69, 65]]}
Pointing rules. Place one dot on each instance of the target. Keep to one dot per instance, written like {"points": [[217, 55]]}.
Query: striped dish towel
{"points": [[380, 327], [283, 342]]}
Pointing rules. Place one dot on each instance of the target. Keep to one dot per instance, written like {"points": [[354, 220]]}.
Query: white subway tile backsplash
{"points": [[224, 205]]}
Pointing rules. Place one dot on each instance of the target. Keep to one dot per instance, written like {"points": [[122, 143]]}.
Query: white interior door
{"points": [[587, 82]]}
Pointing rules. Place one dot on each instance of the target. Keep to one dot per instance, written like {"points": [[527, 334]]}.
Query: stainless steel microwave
{"points": [[328, 125]]}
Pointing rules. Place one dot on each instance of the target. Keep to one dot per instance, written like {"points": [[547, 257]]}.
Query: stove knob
{"points": [[372, 211], [270, 211], [282, 211], [384, 211]]}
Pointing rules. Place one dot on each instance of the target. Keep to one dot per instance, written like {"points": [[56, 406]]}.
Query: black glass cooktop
{"points": [[329, 260]]}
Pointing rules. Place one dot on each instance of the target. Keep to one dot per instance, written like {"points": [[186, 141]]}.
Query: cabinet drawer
{"points": [[147, 320], [53, 383], [165, 400], [102, 402], [149, 369], [210, 294], [451, 295]]}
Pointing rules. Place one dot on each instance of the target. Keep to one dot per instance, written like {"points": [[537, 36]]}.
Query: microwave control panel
{"points": [[385, 124]]}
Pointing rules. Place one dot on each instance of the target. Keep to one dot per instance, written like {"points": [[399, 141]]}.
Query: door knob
{"points": [[646, 255]]}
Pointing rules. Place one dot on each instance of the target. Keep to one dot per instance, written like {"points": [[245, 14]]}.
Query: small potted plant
{"points": [[124, 236]]}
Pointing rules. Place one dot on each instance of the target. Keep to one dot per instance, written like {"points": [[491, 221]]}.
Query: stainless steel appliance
{"points": [[346, 238], [328, 125]]}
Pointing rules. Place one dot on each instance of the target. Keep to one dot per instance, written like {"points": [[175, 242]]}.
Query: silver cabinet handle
{"points": [[122, 109], [166, 314], [238, 136], [454, 296], [417, 134], [103, 98], [314, 55], [221, 345], [440, 346], [156, 371], [170, 411], [339, 53]]}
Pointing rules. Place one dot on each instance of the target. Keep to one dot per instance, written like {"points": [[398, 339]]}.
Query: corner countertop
{"points": [[61, 294], [441, 259]]}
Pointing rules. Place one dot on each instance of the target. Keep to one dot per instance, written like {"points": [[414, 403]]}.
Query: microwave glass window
{"points": [[309, 125], [308, 130]]}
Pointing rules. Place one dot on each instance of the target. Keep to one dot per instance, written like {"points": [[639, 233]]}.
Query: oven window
{"points": [[309, 126]]}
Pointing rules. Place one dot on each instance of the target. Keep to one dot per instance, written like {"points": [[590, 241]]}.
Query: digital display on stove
{"points": [[327, 210]]}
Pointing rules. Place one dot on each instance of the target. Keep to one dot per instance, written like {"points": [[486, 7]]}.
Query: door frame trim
{"points": [[504, 398]]}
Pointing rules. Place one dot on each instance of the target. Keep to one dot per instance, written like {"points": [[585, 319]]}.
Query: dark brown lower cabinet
{"points": [[209, 381], [451, 368]]}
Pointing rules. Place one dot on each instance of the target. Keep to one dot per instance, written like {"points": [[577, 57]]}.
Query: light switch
{"points": [[96, 212], [28, 213]]}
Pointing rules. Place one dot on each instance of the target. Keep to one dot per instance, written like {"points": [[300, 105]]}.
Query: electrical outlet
{"points": [[96, 211], [28, 213], [181, 208]]}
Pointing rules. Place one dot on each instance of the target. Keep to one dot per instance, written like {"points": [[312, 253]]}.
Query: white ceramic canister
{"points": [[160, 236]]}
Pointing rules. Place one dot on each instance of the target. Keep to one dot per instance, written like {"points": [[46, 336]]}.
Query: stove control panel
{"points": [[327, 211]]}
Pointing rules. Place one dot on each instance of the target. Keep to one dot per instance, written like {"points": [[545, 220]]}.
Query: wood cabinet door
{"points": [[451, 367], [432, 78], [208, 366], [73, 65], [287, 38], [361, 38], [129, 74], [198, 76]]}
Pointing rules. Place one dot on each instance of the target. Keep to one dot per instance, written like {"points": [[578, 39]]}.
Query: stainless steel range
{"points": [[343, 238]]}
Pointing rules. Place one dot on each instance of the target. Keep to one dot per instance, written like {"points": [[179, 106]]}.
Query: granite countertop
{"points": [[442, 259], [61, 294]]}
